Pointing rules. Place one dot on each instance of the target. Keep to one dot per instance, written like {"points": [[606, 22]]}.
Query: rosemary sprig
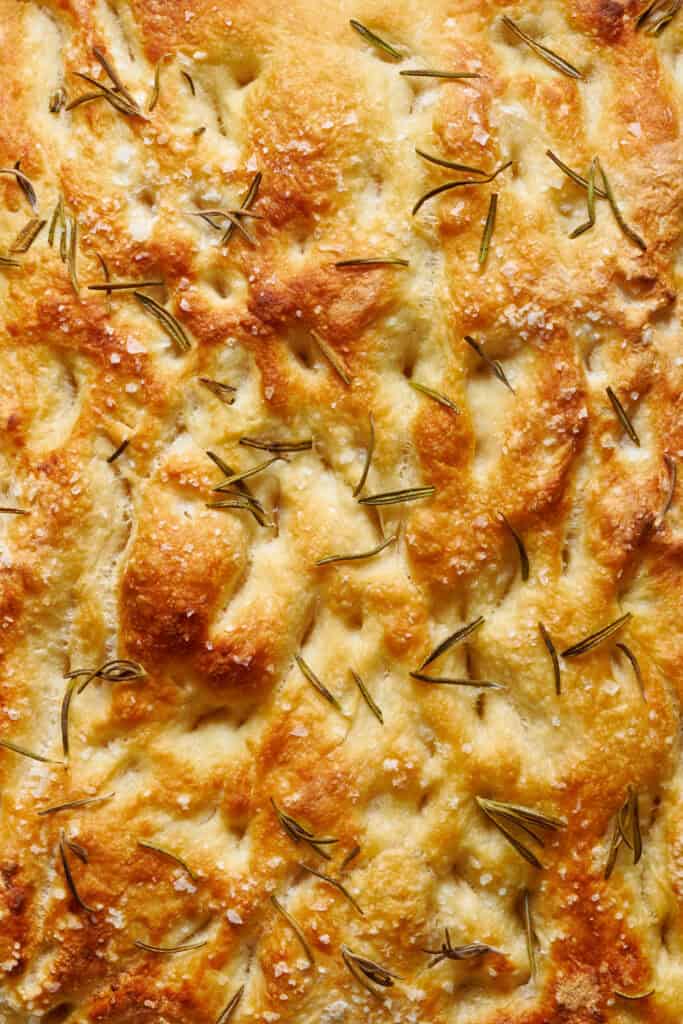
{"points": [[618, 216], [671, 466], [636, 668], [298, 833], [173, 328], [503, 815], [223, 392], [450, 164], [181, 948], [492, 363], [111, 73], [248, 201], [7, 261], [489, 226], [437, 396], [16, 749], [373, 261], [171, 856], [480, 684], [657, 16], [622, 416], [523, 556], [231, 1007], [119, 670], [69, 877], [124, 286], [118, 451], [316, 683], [366, 971], [295, 926], [365, 693], [549, 56], [57, 100], [24, 184], [455, 638], [237, 478], [114, 97], [448, 185], [550, 647], [429, 73], [10, 510], [597, 638], [368, 458], [361, 556], [188, 78], [332, 357], [27, 236], [277, 446], [575, 177], [335, 884], [448, 951], [529, 929], [73, 805], [154, 95], [398, 497], [374, 40], [590, 203]]}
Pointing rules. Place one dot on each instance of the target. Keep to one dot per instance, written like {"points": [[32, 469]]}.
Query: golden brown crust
{"points": [[125, 558]]}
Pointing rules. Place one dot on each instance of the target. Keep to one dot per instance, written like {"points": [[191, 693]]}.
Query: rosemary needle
{"points": [[529, 929], [459, 184], [74, 805], [450, 164], [576, 178], [429, 73], [481, 684], [299, 833], [171, 856], [455, 638], [277, 446], [231, 1006], [366, 971], [398, 497], [223, 392], [635, 666], [375, 40], [550, 647], [181, 948], [503, 815], [9, 510], [492, 363], [373, 261], [310, 675], [361, 556], [623, 417], [124, 286], [188, 78], [24, 184], [437, 396], [335, 884], [654, 19], [332, 357], [549, 56], [154, 95], [237, 478], [367, 697], [448, 951], [173, 328], [634, 995], [489, 226], [118, 451], [597, 638], [16, 749], [27, 236], [671, 467], [69, 876], [295, 926], [590, 203], [368, 458], [523, 557], [618, 216]]}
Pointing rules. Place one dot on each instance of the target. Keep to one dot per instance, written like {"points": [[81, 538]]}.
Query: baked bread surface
{"points": [[124, 559]]}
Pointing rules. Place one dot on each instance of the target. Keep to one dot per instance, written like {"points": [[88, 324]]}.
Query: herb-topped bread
{"points": [[341, 550]]}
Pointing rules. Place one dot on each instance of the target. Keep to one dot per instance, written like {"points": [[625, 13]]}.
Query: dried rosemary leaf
{"points": [[634, 995], [351, 855], [111, 73], [231, 1007], [398, 497], [437, 396], [489, 226], [27, 236], [245, 503], [550, 647], [622, 416], [597, 638], [7, 261], [70, 248], [335, 884], [118, 451], [361, 556], [429, 73], [374, 40], [64, 716], [188, 78], [298, 833], [671, 466], [69, 877], [295, 926], [237, 478], [626, 830], [316, 683], [529, 929], [448, 185], [365, 693], [114, 97], [450, 164], [80, 851], [171, 856], [73, 805], [657, 15], [277, 446], [549, 56], [636, 668], [173, 328], [16, 749], [373, 261], [24, 184], [448, 951], [57, 100], [523, 557], [575, 177], [368, 458], [118, 670], [154, 95], [455, 638], [332, 357], [366, 971], [480, 684], [618, 216], [590, 202], [9, 510], [223, 392], [124, 286], [492, 363], [181, 948]]}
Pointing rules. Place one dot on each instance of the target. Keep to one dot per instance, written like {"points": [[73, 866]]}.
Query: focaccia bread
{"points": [[437, 784]]}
